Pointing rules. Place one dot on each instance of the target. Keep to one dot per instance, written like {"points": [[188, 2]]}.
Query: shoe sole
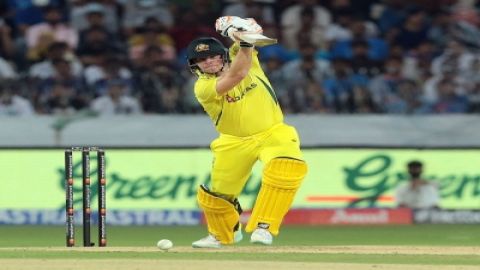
{"points": [[260, 243], [196, 246], [238, 237]]}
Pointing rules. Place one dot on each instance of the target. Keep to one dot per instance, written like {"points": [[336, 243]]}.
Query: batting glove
{"points": [[226, 25], [248, 25]]}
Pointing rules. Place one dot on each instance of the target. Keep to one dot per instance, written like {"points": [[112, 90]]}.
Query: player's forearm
{"points": [[242, 62], [237, 72]]}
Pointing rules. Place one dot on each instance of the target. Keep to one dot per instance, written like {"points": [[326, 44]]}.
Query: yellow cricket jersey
{"points": [[247, 109]]}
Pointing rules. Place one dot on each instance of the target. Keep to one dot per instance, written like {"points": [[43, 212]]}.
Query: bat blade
{"points": [[256, 39]]}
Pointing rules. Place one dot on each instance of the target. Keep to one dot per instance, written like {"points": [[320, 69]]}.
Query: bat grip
{"points": [[244, 44]]}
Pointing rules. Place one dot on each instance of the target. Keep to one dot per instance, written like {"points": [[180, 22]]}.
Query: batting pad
{"points": [[222, 217], [281, 180]]}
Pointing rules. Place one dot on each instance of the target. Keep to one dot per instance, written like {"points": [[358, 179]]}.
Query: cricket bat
{"points": [[256, 39]]}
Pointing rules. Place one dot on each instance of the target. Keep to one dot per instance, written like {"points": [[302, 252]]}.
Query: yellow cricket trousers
{"points": [[234, 157]]}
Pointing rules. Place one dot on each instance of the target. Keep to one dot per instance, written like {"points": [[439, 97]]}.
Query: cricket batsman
{"points": [[234, 91]]}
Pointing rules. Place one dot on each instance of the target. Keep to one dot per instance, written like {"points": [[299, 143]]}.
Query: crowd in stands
{"points": [[333, 56]]}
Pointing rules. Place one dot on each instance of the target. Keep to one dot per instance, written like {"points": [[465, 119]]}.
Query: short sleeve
{"points": [[205, 90]]}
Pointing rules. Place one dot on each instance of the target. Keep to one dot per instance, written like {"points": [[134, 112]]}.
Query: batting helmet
{"points": [[202, 48]]}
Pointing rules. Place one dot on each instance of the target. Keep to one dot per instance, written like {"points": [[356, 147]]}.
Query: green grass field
{"points": [[328, 247]]}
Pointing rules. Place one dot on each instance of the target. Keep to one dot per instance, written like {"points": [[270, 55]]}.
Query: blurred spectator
{"points": [[465, 11], [207, 11], [7, 47], [417, 62], [346, 91], [95, 44], [449, 73], [190, 102], [307, 32], [277, 50], [12, 104], [41, 35], [6, 70], [363, 101], [56, 51], [109, 67], [448, 100], [308, 97], [471, 80], [360, 7], [95, 18], [28, 12], [303, 79], [116, 101], [312, 99], [63, 72], [361, 63], [413, 31], [159, 84], [450, 66], [387, 56], [340, 28], [471, 75], [3, 8], [474, 98], [391, 14], [396, 51], [291, 24], [272, 66], [384, 87], [151, 34], [261, 12], [319, 70], [137, 11], [417, 193], [455, 56], [465, 33], [95, 15], [88, 13], [62, 99], [407, 99], [188, 27], [377, 48], [439, 31], [62, 77]]}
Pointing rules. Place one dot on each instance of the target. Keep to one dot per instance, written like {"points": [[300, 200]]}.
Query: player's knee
{"points": [[285, 173], [214, 201]]}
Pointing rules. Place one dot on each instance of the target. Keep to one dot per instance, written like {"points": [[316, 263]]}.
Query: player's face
{"points": [[211, 64]]}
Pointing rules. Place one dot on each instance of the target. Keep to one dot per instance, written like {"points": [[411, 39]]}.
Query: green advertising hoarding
{"points": [[167, 179]]}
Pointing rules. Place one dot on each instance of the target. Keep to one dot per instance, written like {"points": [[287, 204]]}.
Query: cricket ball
{"points": [[164, 244]]}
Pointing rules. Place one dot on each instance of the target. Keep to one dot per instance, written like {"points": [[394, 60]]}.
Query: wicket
{"points": [[102, 211]]}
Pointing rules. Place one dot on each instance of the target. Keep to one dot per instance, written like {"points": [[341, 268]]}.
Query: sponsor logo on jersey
{"points": [[239, 97]]}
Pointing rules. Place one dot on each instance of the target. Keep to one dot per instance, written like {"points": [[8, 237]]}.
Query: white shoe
{"points": [[211, 242], [261, 236], [208, 242]]}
